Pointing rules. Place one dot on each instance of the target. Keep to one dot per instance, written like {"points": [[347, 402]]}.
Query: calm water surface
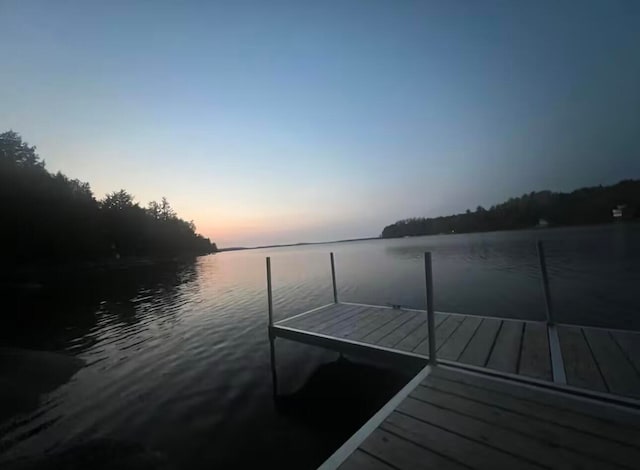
{"points": [[177, 357]]}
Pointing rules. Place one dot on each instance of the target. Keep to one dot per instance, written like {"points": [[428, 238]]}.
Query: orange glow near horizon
{"points": [[228, 229]]}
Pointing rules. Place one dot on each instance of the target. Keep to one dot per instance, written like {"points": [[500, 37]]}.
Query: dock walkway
{"points": [[592, 358], [491, 392], [453, 419]]}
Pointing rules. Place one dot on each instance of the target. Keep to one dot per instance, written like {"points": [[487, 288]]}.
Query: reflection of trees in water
{"points": [[65, 311]]}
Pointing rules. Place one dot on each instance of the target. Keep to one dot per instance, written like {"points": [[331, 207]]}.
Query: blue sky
{"points": [[274, 122]]}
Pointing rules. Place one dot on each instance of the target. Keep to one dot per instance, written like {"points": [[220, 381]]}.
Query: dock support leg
{"points": [[431, 324], [545, 282], [274, 374], [272, 339], [555, 352], [269, 294]]}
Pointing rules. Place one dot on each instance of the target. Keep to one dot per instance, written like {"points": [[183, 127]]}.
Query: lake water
{"points": [[177, 357]]}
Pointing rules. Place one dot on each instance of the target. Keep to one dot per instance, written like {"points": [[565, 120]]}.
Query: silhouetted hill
{"points": [[49, 218], [581, 207]]}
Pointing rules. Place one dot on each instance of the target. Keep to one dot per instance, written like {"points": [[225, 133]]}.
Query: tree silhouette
{"points": [[166, 212], [153, 209], [117, 200], [583, 206], [18, 153], [50, 218]]}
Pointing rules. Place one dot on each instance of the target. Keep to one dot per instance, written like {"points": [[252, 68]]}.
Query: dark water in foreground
{"points": [[177, 357]]}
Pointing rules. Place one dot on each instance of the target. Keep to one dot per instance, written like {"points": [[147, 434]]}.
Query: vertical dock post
{"points": [[269, 294], [431, 324], [333, 278], [272, 348], [557, 362], [545, 282]]}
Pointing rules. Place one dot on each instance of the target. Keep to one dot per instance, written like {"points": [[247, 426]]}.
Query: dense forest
{"points": [[50, 218], [584, 206]]}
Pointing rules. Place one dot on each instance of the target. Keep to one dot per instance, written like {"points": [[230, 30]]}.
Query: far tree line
{"points": [[593, 205], [50, 218]]}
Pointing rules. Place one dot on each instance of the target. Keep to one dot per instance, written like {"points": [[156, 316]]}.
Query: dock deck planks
{"points": [[594, 359], [535, 360], [619, 374], [480, 345], [460, 419], [453, 347], [505, 354]]}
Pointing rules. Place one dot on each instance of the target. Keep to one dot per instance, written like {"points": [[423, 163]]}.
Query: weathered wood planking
{"points": [[619, 374], [360, 460], [452, 445], [453, 347], [521, 416], [505, 354], [322, 317], [334, 327], [630, 344], [477, 351], [595, 359], [443, 332], [535, 360], [583, 415], [393, 338], [579, 364], [418, 335], [405, 454], [456, 419], [375, 336], [384, 317], [363, 321], [302, 320], [506, 440]]}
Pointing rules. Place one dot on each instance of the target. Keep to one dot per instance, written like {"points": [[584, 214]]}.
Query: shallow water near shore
{"points": [[177, 357]]}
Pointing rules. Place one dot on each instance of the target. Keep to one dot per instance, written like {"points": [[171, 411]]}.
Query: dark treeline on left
{"points": [[50, 218]]}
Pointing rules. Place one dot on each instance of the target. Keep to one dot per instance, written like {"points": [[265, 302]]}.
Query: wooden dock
{"points": [[492, 393], [592, 358], [447, 418]]}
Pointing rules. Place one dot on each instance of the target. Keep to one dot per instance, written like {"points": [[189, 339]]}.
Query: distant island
{"points": [[585, 206], [51, 219]]}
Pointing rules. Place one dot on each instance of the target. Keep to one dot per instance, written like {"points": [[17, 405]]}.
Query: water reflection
{"points": [[70, 310], [177, 355]]}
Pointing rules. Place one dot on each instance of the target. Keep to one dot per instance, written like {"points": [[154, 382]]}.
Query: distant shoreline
{"points": [[584, 206], [238, 248], [534, 228]]}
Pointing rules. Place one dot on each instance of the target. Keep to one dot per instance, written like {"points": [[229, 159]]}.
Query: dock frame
{"points": [[396, 337]]}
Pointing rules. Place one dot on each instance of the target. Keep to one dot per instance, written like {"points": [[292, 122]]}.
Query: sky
{"points": [[284, 121]]}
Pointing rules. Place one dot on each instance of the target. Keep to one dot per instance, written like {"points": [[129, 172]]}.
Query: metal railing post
{"points": [[555, 351], [333, 278], [431, 324], [545, 282]]}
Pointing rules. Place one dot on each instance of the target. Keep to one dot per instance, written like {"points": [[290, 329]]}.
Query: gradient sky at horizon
{"points": [[287, 121]]}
